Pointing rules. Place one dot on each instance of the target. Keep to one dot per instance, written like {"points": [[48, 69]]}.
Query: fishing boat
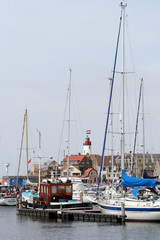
{"points": [[55, 195], [141, 202]]}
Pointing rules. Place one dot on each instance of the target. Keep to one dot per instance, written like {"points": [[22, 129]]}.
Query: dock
{"points": [[91, 215]]}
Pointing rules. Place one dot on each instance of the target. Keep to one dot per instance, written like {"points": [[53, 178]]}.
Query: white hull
{"points": [[8, 201], [134, 210], [90, 198]]}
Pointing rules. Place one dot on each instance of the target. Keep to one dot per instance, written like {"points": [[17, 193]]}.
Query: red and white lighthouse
{"points": [[87, 144]]}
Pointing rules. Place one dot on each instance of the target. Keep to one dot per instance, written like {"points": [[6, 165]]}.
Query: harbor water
{"points": [[16, 227]]}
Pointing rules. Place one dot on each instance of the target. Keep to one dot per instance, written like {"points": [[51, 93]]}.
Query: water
{"points": [[15, 227]]}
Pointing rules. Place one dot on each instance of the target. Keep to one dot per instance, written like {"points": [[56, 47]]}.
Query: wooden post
{"points": [[81, 196], [123, 211], [20, 204]]}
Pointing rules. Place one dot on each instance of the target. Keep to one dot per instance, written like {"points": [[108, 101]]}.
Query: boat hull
{"points": [[8, 201], [133, 213]]}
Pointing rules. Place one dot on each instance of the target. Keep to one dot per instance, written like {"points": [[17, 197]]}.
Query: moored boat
{"points": [[7, 196], [54, 195]]}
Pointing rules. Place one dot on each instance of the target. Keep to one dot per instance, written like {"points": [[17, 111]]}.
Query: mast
{"points": [[39, 156], [26, 142], [111, 132], [69, 103], [123, 82], [143, 126], [136, 131], [110, 97], [20, 154]]}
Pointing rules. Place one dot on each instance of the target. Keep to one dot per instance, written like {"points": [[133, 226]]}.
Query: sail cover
{"points": [[136, 182], [135, 192], [145, 175]]}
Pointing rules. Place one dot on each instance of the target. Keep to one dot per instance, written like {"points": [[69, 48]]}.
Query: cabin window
{"points": [[54, 189], [61, 189], [68, 189]]}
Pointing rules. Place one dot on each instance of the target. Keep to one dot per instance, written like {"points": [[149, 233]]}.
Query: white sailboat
{"points": [[145, 204]]}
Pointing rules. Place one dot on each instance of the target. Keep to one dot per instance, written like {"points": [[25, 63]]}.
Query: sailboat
{"points": [[26, 195], [56, 193], [141, 202]]}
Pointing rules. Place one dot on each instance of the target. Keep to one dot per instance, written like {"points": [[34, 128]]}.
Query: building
{"points": [[81, 162], [48, 170], [73, 171], [90, 176], [106, 173]]}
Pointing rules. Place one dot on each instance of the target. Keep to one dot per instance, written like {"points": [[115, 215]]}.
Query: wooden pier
{"points": [[71, 215]]}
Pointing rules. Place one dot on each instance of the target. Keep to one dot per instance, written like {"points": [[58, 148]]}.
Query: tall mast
{"points": [[143, 126], [69, 103], [111, 132], [136, 131], [110, 97], [39, 156], [20, 154], [26, 142], [123, 81]]}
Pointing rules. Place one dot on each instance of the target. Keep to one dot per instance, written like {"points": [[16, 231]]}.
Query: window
{"points": [[41, 188], [54, 189], [68, 189], [44, 189], [61, 189]]}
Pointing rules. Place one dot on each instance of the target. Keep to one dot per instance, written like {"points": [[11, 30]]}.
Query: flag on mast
{"points": [[88, 131], [29, 160]]}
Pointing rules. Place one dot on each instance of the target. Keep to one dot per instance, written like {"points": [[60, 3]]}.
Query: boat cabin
{"points": [[5, 190], [55, 192]]}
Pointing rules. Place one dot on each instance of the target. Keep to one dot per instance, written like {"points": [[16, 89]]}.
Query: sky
{"points": [[40, 40]]}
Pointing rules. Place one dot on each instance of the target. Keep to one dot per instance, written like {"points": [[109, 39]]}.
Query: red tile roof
{"points": [[64, 167], [75, 158], [86, 173]]}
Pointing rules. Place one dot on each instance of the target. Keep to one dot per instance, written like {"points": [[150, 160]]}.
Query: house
{"points": [[81, 162], [49, 170], [157, 168], [73, 171], [106, 173], [53, 170], [91, 176]]}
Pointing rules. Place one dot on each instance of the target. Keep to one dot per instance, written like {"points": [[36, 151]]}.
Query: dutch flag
{"points": [[88, 132]]}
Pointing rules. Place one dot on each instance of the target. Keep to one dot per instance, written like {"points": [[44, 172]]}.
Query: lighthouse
{"points": [[87, 144]]}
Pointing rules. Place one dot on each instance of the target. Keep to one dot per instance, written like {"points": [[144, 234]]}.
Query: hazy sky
{"points": [[40, 40]]}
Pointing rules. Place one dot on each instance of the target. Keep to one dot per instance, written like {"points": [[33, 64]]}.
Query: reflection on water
{"points": [[18, 227]]}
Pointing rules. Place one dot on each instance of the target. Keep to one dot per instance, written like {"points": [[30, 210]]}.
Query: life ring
{"points": [[8, 193]]}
